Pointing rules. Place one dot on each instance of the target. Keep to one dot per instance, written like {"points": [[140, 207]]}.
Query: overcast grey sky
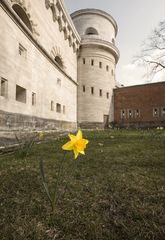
{"points": [[136, 19]]}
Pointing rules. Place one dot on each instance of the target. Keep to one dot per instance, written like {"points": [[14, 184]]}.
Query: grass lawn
{"points": [[116, 191]]}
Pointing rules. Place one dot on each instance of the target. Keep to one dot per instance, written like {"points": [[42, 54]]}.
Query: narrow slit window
{"points": [[59, 82], [92, 90], [58, 107], [83, 60], [83, 88], [107, 95], [92, 62], [33, 99], [63, 109], [4, 86], [100, 64], [52, 106], [101, 92], [107, 68]]}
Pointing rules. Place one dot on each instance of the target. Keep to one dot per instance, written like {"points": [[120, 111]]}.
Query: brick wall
{"points": [[140, 106]]}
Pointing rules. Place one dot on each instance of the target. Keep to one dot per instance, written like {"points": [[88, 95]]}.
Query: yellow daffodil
{"points": [[77, 143]]}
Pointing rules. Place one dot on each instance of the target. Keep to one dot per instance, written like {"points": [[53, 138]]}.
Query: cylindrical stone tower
{"points": [[97, 60]]}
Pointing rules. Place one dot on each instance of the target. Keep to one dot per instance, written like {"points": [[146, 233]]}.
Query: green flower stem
{"points": [[58, 181]]}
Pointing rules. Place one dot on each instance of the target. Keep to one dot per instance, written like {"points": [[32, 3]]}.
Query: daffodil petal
{"points": [[76, 153], [82, 152], [68, 146], [72, 137], [79, 134]]}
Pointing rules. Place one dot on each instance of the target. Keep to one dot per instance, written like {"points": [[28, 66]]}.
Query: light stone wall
{"points": [[36, 72], [87, 18], [92, 108], [51, 38]]}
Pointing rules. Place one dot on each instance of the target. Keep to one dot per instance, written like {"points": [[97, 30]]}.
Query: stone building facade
{"points": [[56, 70], [97, 58], [140, 106]]}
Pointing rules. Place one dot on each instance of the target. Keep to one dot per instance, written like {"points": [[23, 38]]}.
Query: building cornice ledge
{"points": [[102, 43]]}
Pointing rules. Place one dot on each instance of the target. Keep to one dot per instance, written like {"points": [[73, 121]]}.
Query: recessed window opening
{"points": [[91, 31], [163, 111], [107, 68], [123, 114], [59, 82], [155, 112], [92, 62], [63, 109], [101, 93], [20, 94], [92, 90], [52, 106], [83, 88], [137, 113], [107, 95], [58, 107], [59, 61], [22, 15], [83, 60], [130, 113], [3, 86], [100, 64], [33, 99]]}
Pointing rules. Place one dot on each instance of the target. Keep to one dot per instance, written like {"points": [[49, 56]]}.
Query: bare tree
{"points": [[153, 51]]}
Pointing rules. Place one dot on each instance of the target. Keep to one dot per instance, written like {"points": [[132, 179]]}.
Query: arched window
{"points": [[59, 61], [91, 31], [22, 15]]}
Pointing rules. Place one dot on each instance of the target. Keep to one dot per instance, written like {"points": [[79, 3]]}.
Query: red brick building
{"points": [[140, 106]]}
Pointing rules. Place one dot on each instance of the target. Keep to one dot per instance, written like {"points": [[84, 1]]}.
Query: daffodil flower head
{"points": [[77, 144]]}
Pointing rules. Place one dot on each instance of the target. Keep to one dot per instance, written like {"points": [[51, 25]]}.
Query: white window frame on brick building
{"points": [[130, 113], [163, 111], [123, 114], [137, 113], [156, 112]]}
